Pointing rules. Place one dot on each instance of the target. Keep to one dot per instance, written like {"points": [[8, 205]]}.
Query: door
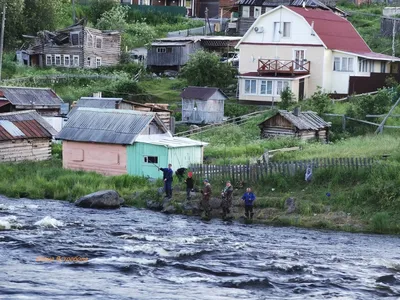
{"points": [[299, 58], [301, 89]]}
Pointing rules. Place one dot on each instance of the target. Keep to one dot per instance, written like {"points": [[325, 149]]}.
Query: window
{"points": [[266, 87], [286, 29], [383, 67], [161, 50], [245, 11], [58, 59], [281, 85], [344, 64], [48, 60], [89, 40], [99, 42], [169, 50], [362, 65], [74, 37], [151, 159], [371, 66], [250, 86], [75, 60], [67, 60], [89, 61], [257, 11], [277, 28], [98, 62]]}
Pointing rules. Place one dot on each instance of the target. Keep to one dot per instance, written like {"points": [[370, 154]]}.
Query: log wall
{"points": [[27, 149]]}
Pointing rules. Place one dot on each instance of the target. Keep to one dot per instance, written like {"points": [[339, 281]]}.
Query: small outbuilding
{"points": [[44, 100], [203, 105], [305, 125], [24, 135], [117, 141]]}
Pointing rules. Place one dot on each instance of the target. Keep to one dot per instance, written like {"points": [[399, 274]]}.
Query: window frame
{"points": [[89, 41], [69, 60], [250, 87], [267, 81], [286, 34], [71, 39], [98, 59], [55, 59], [47, 59], [284, 85], [154, 159], [247, 15], [161, 49], [383, 66], [259, 8], [98, 38], [73, 60], [345, 64]]}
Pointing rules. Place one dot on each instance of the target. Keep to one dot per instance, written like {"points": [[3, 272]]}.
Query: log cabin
{"points": [[304, 125], [24, 135]]}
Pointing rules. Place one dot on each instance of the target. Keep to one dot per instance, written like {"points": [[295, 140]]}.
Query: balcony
{"points": [[277, 66]]}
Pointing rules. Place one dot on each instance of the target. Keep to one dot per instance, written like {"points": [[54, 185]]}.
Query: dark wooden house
{"points": [[202, 105], [305, 125], [76, 46], [24, 135], [44, 100]]}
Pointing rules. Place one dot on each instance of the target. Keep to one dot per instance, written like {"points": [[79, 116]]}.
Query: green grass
{"points": [[163, 90]]}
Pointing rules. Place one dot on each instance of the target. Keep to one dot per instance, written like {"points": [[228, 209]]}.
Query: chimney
{"points": [[117, 104], [97, 95], [296, 111]]}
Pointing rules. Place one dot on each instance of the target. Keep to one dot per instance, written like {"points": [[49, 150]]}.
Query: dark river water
{"points": [[139, 254]]}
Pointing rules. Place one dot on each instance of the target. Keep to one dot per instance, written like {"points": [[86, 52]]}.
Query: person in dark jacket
{"points": [[189, 185], [226, 202], [249, 199], [167, 177], [205, 201], [180, 173]]}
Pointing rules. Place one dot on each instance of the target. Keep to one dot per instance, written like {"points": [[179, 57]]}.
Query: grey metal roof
{"points": [[307, 120], [309, 3], [200, 93], [27, 96], [169, 44], [111, 126], [98, 102], [269, 3]]}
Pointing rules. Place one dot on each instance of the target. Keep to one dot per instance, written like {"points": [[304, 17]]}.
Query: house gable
{"points": [[298, 32]]}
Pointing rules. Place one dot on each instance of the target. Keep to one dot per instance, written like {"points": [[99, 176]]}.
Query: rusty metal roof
{"points": [[110, 126], [24, 124], [307, 120], [31, 97], [200, 93]]}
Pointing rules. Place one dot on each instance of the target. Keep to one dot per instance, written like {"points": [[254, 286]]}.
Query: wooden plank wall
{"points": [[19, 150], [251, 173]]}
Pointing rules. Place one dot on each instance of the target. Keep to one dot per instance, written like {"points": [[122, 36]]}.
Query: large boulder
{"points": [[107, 199], [154, 205]]}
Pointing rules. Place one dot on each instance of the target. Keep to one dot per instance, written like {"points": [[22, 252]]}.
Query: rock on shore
{"points": [[107, 199]]}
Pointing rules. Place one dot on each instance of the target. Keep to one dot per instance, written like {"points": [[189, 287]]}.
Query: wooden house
{"points": [[76, 46], [44, 100], [305, 125], [118, 103], [24, 135], [117, 141], [202, 105]]}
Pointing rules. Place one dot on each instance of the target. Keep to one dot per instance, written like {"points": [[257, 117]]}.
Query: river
{"points": [[139, 254]]}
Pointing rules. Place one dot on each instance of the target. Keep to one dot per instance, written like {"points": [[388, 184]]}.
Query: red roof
{"points": [[336, 32]]}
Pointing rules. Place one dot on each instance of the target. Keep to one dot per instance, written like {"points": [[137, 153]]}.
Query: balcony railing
{"points": [[277, 66]]}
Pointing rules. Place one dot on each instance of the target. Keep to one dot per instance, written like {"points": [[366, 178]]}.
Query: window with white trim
{"points": [[98, 62], [150, 159], [48, 60], [74, 38], [343, 64], [371, 66], [281, 85], [57, 59], [362, 65], [99, 42], [245, 11], [383, 66], [250, 86], [161, 50], [286, 29], [75, 60], [67, 60], [266, 87], [257, 11]]}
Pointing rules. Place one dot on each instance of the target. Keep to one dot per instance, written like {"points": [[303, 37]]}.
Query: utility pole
{"points": [[393, 37], [3, 23], [73, 12], [205, 21]]}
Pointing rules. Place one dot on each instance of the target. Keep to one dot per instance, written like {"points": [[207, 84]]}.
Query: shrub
{"points": [[319, 102], [380, 222], [287, 99]]}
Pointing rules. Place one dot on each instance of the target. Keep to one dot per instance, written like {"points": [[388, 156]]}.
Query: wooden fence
{"points": [[255, 172]]}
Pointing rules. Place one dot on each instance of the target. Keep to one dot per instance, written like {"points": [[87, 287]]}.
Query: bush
{"points": [[287, 99], [319, 102], [380, 222]]}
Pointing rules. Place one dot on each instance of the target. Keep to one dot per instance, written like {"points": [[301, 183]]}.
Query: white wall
{"points": [[340, 79], [56, 122]]}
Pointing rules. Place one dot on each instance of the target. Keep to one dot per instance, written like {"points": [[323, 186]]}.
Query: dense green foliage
{"points": [[287, 99], [205, 69]]}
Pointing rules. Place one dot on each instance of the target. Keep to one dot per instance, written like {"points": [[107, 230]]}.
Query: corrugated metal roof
{"points": [[98, 102], [307, 120], [24, 124], [170, 44], [309, 3], [170, 142], [111, 126], [200, 93], [31, 96], [271, 3]]}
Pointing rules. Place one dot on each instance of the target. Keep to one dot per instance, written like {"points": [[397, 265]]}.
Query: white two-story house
{"points": [[303, 49]]}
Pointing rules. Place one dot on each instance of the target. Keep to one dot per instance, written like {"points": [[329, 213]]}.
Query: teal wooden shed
{"points": [[152, 151]]}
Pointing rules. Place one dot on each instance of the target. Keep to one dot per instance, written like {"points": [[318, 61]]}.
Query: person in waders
{"points": [[167, 177], [249, 199], [226, 202], [205, 201], [189, 185]]}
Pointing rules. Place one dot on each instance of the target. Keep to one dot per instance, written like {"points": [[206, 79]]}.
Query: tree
{"points": [[205, 69], [287, 99], [14, 23], [319, 102], [99, 7], [114, 19]]}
